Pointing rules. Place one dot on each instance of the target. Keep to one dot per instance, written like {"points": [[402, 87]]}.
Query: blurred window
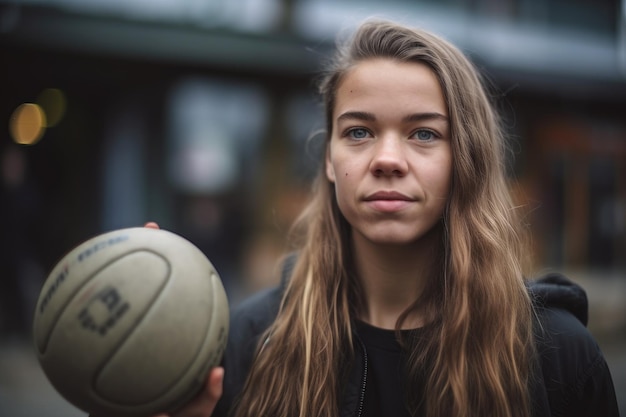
{"points": [[215, 130], [598, 16]]}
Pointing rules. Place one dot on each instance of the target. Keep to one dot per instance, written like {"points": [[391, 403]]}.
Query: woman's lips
{"points": [[388, 201]]}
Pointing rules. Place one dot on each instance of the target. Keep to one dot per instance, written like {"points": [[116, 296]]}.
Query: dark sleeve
{"points": [[576, 377], [248, 323], [596, 394]]}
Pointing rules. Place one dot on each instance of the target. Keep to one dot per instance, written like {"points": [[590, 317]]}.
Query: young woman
{"points": [[406, 295]]}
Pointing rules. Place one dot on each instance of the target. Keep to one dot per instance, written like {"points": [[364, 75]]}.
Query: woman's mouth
{"points": [[388, 201]]}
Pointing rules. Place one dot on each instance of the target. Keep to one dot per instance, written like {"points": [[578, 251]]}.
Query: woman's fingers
{"points": [[151, 225], [216, 383], [204, 404]]}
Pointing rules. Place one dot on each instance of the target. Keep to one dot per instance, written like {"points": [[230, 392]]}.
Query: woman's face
{"points": [[389, 154]]}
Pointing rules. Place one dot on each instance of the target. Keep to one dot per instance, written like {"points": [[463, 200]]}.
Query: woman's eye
{"points": [[425, 135], [358, 133]]}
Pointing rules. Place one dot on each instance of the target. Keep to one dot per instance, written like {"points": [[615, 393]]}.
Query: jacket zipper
{"points": [[364, 380]]}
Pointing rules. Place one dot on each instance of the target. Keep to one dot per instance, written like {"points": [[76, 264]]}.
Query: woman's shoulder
{"points": [[249, 320], [561, 312], [574, 374], [253, 315], [563, 341]]}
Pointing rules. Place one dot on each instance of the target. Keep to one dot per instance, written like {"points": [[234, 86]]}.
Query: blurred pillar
{"points": [[577, 210], [621, 41], [123, 188]]}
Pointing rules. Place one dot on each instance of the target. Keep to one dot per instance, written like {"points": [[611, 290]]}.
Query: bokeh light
{"points": [[53, 103], [27, 124]]}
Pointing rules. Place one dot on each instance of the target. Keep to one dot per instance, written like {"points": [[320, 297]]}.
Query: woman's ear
{"points": [[330, 171]]}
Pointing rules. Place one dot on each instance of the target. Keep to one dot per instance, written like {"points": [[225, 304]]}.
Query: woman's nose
{"points": [[389, 157]]}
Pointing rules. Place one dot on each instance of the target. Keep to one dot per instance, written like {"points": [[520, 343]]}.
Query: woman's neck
{"points": [[393, 278]]}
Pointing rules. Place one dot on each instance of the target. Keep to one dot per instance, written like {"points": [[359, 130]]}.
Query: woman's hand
{"points": [[204, 404]]}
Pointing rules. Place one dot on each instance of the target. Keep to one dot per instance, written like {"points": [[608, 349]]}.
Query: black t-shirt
{"points": [[385, 389]]}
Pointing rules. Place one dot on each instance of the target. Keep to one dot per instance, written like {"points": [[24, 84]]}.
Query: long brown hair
{"points": [[477, 357]]}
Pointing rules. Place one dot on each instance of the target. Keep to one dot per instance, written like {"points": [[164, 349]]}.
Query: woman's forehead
{"points": [[386, 85]]}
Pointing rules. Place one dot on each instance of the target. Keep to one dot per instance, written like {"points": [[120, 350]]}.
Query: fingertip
{"points": [[216, 380], [151, 225], [217, 376]]}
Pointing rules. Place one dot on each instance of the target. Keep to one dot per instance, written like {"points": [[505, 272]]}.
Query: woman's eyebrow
{"points": [[358, 115], [419, 117]]}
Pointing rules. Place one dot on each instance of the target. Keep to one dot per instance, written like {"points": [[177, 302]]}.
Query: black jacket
{"points": [[573, 380]]}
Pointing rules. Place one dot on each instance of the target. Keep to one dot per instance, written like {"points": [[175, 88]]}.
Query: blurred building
{"points": [[201, 115]]}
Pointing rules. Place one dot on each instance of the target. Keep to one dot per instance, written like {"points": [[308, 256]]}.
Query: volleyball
{"points": [[130, 322]]}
